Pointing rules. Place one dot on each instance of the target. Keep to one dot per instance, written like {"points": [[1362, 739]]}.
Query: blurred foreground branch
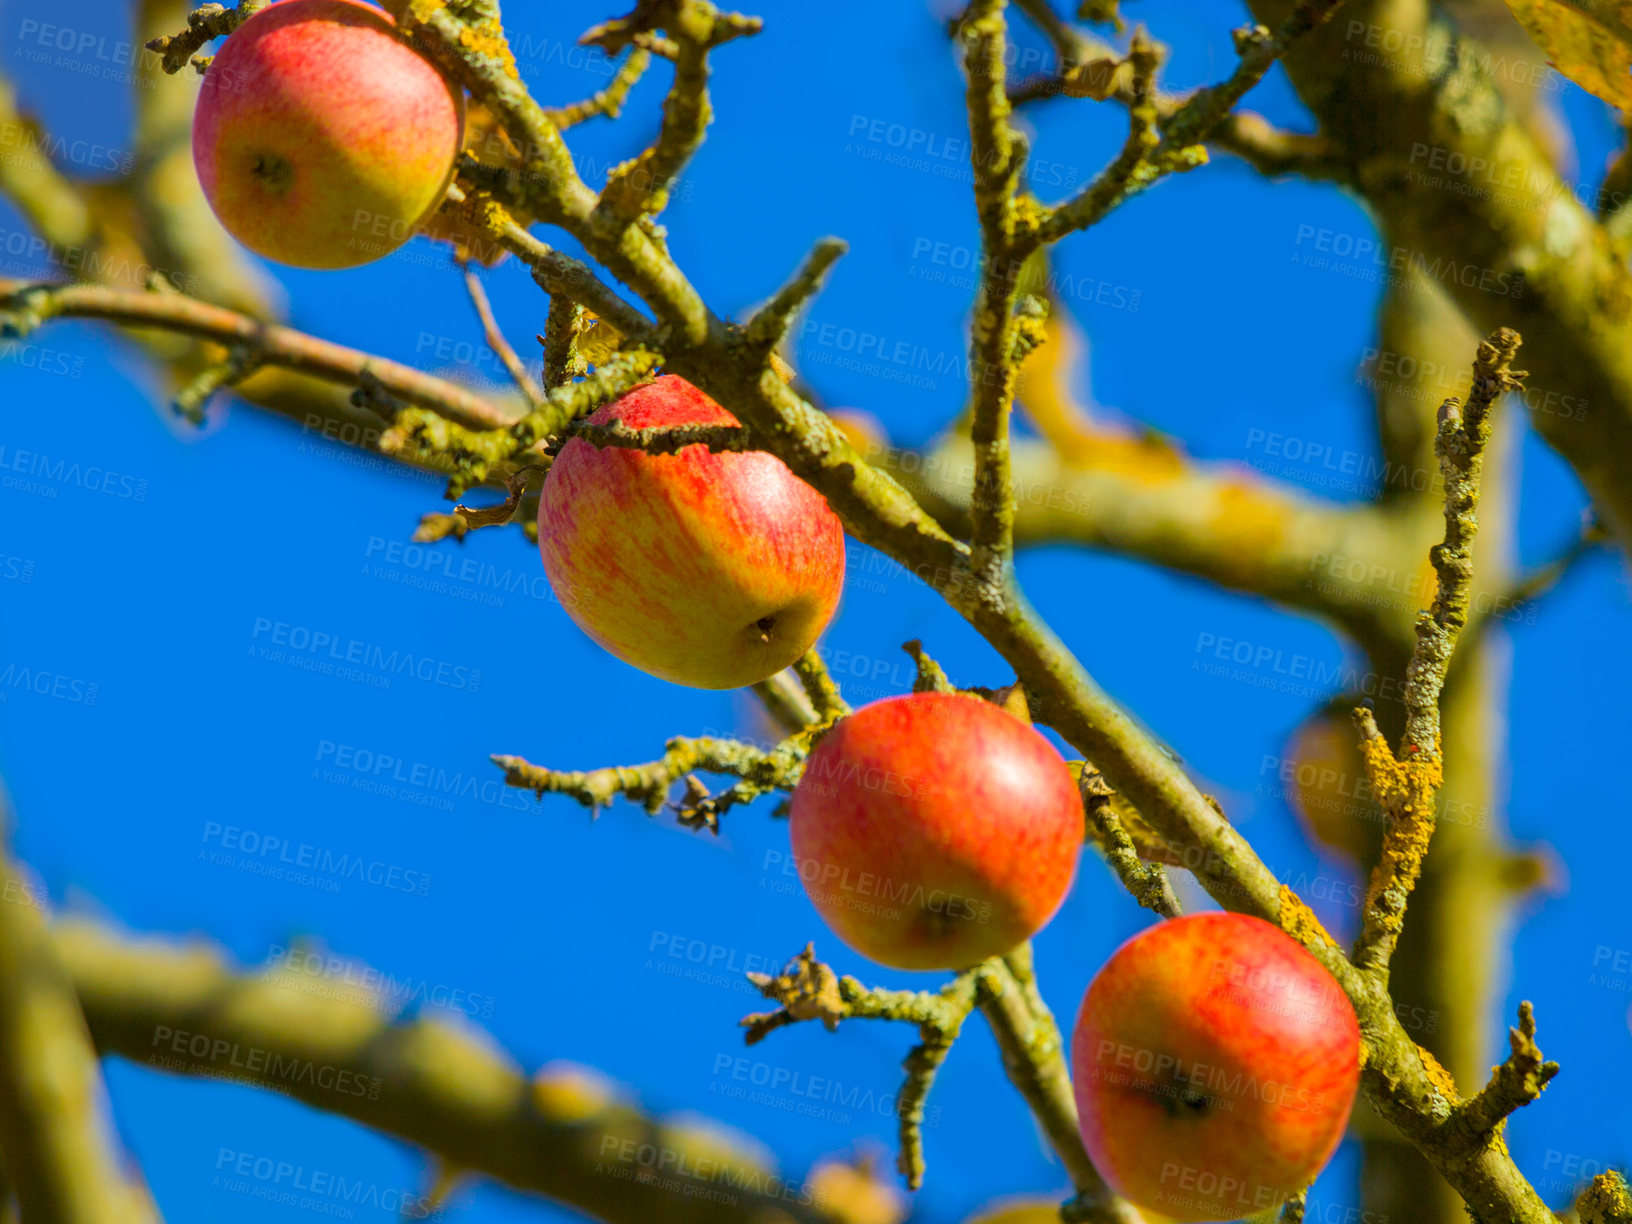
{"points": [[55, 1139], [440, 1086]]}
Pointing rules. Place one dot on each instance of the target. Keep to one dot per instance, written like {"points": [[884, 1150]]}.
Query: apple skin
{"points": [[935, 830], [1215, 1062], [321, 139], [709, 570]]}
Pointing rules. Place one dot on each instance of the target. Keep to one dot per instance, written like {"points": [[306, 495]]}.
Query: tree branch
{"points": [[25, 305], [204, 24], [1034, 1056], [1519, 1080], [494, 335], [1464, 194], [807, 989], [429, 1083], [1407, 784], [609, 101], [54, 1139]]}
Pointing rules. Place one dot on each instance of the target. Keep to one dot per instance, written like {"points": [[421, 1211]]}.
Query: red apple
{"points": [[713, 570], [321, 138], [935, 830], [1215, 1063]]}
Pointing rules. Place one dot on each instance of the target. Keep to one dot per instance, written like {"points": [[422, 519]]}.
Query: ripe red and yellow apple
{"points": [[1215, 1062], [322, 139], [935, 830], [711, 570]]}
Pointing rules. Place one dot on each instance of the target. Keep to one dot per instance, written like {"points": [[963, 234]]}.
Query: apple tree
{"points": [[689, 496]]}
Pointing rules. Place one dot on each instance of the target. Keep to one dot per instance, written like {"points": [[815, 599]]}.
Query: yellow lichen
{"points": [[1605, 1201], [1439, 1077], [488, 39], [1299, 921]]}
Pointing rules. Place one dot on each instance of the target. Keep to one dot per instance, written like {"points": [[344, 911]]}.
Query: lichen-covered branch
{"points": [[1147, 881], [1517, 1081], [759, 770], [640, 188], [1034, 1057], [1406, 784], [183, 1010], [1259, 49], [54, 1136], [1606, 1201], [820, 687], [666, 439], [770, 323], [606, 102], [807, 989], [999, 336], [26, 305], [1135, 167], [558, 274], [1088, 67], [1421, 122], [204, 24], [471, 456]]}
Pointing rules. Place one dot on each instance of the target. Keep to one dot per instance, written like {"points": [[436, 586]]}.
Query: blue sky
{"points": [[162, 589]]}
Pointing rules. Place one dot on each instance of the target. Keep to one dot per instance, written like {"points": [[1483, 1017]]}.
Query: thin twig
{"points": [[606, 102], [495, 338], [29, 304], [1407, 783], [1514, 1083], [765, 330], [204, 24], [807, 989]]}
